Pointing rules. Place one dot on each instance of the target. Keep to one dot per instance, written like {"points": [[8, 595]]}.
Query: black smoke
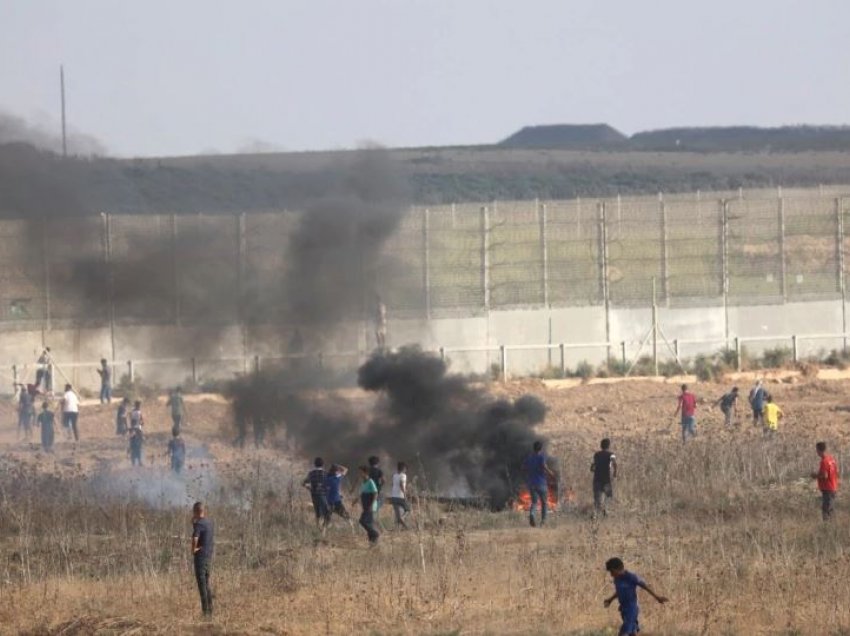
{"points": [[455, 436]]}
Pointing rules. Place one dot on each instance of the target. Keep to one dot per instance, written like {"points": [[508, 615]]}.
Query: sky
{"points": [[166, 77]]}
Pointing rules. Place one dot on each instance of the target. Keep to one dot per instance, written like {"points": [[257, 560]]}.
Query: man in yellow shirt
{"points": [[772, 415]]}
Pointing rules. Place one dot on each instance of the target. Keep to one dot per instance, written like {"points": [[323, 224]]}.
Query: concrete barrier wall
{"points": [[162, 353]]}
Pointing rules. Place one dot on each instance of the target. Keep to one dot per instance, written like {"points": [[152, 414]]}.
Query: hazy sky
{"points": [[179, 77]]}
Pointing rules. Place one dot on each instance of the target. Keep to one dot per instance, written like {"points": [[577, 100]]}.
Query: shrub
{"points": [[775, 358], [584, 370]]}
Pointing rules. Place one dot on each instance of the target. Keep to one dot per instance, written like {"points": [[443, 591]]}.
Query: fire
{"points": [[522, 503]]}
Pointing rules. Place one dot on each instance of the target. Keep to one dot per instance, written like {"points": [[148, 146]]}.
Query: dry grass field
{"points": [[727, 526]]}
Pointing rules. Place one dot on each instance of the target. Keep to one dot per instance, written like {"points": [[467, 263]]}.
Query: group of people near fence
{"points": [[325, 488], [45, 419], [766, 414], [130, 423]]}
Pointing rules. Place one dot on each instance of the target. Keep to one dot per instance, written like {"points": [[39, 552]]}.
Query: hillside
{"points": [[36, 183]]}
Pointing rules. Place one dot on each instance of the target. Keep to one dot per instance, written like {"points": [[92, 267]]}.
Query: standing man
{"points": [[122, 417], [757, 398], [45, 422], [728, 404], [537, 472], [178, 408], [827, 476], [380, 324], [105, 382], [604, 469], [687, 406], [202, 555], [26, 413], [176, 451], [137, 441], [398, 496], [70, 412], [315, 482]]}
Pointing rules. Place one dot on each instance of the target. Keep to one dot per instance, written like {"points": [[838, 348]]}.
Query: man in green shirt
{"points": [[369, 504], [178, 408]]}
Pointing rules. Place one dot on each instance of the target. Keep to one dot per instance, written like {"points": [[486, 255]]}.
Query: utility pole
{"points": [[62, 96]]}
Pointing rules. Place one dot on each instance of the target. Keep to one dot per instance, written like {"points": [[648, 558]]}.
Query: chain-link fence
{"points": [[703, 248]]}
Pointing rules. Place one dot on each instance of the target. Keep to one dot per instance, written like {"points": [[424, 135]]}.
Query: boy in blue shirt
{"points": [[333, 483], [625, 585], [537, 472]]}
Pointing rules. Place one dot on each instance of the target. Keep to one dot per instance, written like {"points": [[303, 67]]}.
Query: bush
{"points": [[615, 367], [584, 370], [776, 358]]}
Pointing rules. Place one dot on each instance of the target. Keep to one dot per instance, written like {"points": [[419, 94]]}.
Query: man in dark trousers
{"points": [[827, 478], [176, 451], [105, 382], [537, 473], [202, 555], [604, 469], [377, 475], [315, 482]]}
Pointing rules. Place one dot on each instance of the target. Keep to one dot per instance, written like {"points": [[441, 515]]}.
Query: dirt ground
{"points": [[727, 526]]}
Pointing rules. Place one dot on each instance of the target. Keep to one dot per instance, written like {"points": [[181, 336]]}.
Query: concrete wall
{"points": [[162, 353]]}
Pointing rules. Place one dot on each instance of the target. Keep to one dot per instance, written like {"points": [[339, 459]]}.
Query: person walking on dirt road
{"points": [[70, 412], [604, 469]]}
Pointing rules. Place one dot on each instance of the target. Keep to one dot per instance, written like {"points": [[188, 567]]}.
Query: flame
{"points": [[522, 503]]}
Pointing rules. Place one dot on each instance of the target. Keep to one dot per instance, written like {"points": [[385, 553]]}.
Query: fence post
{"points": [[485, 255], [544, 250], [737, 353], [175, 263], [131, 371], [724, 266], [676, 348], [443, 354], [842, 281], [665, 272], [45, 251], [15, 374], [783, 280], [623, 353], [257, 364], [794, 355], [503, 362], [603, 267], [426, 261], [563, 351]]}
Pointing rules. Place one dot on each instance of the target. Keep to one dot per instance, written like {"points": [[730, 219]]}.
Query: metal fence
{"points": [[702, 248]]}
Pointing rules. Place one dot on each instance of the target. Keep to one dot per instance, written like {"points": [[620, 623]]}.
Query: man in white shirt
{"points": [[70, 412], [398, 496]]}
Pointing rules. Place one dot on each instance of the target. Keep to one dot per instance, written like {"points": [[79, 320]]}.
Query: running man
{"points": [[687, 406], [369, 505], [333, 486], [626, 585], [827, 477], [398, 496], [315, 482], [604, 469], [728, 404], [203, 547], [537, 473], [377, 475]]}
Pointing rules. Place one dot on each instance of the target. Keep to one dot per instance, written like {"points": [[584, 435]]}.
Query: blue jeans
{"points": [[689, 426], [105, 393], [541, 493]]}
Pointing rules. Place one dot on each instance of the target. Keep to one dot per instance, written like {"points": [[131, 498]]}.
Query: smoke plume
{"points": [[451, 433], [16, 130], [336, 249]]}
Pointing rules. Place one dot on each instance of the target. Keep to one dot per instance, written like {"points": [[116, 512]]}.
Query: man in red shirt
{"points": [[688, 407], [827, 477]]}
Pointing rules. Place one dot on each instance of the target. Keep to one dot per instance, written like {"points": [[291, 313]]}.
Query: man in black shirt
{"points": [[202, 554], [315, 482], [604, 469], [377, 475]]}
